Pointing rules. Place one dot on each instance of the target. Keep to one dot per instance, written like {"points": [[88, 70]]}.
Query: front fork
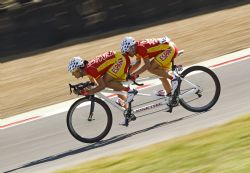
{"points": [[92, 107]]}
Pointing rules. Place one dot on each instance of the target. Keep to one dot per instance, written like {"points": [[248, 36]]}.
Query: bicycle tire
{"points": [[217, 88], [104, 132]]}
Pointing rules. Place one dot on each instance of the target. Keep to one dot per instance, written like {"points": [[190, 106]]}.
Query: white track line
{"points": [[64, 106]]}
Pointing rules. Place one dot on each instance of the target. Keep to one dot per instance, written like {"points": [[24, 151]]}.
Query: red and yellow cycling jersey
{"points": [[163, 50], [112, 63]]}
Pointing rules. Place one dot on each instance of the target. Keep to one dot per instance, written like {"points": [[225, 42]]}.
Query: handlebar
{"points": [[134, 82], [78, 87], [129, 77], [138, 84]]}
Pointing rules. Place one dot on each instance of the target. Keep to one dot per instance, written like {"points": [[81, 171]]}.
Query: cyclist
{"points": [[162, 51], [106, 70]]}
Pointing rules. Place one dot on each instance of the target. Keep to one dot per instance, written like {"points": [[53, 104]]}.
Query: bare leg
{"points": [[163, 73], [116, 86], [159, 71], [166, 85]]}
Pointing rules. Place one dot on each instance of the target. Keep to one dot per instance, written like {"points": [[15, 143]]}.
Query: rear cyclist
{"points": [[162, 51]]}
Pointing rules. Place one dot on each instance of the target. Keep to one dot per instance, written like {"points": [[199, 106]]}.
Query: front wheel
{"points": [[89, 119], [201, 88]]}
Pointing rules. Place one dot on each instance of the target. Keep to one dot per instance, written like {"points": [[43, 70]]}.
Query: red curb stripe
{"points": [[226, 62], [18, 122]]}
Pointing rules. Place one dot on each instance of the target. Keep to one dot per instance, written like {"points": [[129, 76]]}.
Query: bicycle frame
{"points": [[163, 101], [188, 93], [140, 109]]}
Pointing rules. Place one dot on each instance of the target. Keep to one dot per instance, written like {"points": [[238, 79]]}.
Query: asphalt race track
{"points": [[46, 145]]}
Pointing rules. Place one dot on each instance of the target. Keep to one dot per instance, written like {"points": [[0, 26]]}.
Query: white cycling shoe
{"points": [[161, 93], [120, 102], [124, 122]]}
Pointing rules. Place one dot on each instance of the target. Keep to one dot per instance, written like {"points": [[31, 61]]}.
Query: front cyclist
{"points": [[106, 70], [161, 50]]}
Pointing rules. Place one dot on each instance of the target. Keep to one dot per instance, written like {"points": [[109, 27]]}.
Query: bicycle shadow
{"points": [[102, 143]]}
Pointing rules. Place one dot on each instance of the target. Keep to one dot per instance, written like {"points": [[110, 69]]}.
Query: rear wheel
{"points": [[89, 119], [209, 88]]}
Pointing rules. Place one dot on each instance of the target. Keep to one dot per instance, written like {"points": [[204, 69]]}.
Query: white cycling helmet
{"points": [[127, 42], [74, 63]]}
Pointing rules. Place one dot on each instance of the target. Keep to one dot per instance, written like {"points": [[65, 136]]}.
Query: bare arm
{"points": [[144, 67], [100, 86], [135, 65], [92, 79]]}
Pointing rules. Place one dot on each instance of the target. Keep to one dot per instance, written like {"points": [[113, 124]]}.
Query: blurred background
{"points": [[37, 38], [28, 25]]}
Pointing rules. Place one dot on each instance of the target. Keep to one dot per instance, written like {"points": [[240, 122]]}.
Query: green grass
{"points": [[223, 149]]}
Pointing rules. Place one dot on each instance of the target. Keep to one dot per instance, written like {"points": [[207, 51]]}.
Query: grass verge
{"points": [[223, 149]]}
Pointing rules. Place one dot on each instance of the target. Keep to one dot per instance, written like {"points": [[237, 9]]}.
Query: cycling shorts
{"points": [[165, 58]]}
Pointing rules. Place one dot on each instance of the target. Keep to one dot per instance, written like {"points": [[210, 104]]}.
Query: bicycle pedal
{"points": [[174, 102]]}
